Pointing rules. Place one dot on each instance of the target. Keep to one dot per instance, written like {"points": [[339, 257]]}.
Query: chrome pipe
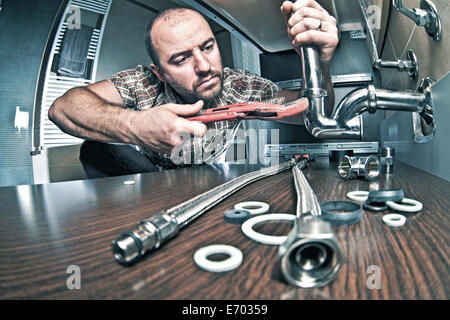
{"points": [[150, 234], [316, 121], [400, 100], [353, 104], [313, 79], [345, 122], [372, 99]]}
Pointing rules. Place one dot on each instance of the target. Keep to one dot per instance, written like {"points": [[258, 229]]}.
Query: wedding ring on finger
{"points": [[319, 28]]}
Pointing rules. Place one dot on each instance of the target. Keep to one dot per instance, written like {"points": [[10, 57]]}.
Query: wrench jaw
{"points": [[311, 256], [147, 235]]}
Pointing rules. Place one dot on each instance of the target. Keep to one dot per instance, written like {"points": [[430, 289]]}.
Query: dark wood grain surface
{"points": [[44, 229]]}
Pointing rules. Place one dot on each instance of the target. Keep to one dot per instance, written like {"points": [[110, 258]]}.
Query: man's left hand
{"points": [[308, 23]]}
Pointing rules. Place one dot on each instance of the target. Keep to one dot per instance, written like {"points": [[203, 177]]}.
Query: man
{"points": [[146, 108]]}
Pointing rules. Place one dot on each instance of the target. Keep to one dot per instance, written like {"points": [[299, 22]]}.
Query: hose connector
{"points": [[311, 256], [145, 236]]}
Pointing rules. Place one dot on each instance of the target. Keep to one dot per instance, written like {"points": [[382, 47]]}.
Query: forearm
{"points": [[82, 113]]}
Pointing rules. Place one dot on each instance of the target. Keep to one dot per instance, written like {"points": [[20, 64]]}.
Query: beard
{"points": [[194, 95]]}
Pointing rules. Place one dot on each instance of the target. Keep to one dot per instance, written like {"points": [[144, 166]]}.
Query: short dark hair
{"points": [[148, 42], [169, 15]]}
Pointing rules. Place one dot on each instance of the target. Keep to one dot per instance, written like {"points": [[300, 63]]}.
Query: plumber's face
{"points": [[189, 58]]}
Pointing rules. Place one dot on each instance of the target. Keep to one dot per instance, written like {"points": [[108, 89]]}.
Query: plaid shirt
{"points": [[141, 89]]}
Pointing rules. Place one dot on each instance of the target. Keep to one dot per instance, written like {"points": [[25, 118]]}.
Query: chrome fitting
{"points": [[367, 168], [314, 93], [372, 99], [387, 159], [426, 16], [145, 236], [409, 65], [310, 257]]}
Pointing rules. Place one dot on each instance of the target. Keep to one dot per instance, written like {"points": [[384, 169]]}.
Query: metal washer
{"points": [[351, 213], [385, 195]]}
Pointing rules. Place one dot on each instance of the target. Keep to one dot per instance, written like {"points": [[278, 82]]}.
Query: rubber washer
{"points": [[375, 206], [349, 213], [357, 195], [394, 220], [395, 195], [415, 205], [234, 260], [236, 216], [254, 207], [247, 228]]}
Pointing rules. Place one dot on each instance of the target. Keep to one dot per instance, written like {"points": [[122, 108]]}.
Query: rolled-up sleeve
{"points": [[125, 82]]}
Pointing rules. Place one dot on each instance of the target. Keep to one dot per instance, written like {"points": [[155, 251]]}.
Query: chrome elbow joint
{"points": [[316, 122], [323, 127]]}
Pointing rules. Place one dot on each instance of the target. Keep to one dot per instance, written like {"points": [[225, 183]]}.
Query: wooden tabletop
{"points": [[48, 230]]}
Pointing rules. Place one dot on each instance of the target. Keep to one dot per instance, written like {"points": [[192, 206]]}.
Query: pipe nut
{"points": [[310, 257], [315, 93], [372, 99]]}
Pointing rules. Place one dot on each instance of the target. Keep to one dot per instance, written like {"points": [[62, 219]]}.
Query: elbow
{"points": [[54, 110]]}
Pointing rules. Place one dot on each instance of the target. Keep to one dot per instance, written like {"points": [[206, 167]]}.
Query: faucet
{"points": [[426, 16], [344, 123], [410, 65]]}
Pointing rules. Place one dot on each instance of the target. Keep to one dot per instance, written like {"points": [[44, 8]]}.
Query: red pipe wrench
{"points": [[252, 110]]}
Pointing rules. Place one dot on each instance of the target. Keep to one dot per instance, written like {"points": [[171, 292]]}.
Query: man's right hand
{"points": [[160, 128], [307, 23]]}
